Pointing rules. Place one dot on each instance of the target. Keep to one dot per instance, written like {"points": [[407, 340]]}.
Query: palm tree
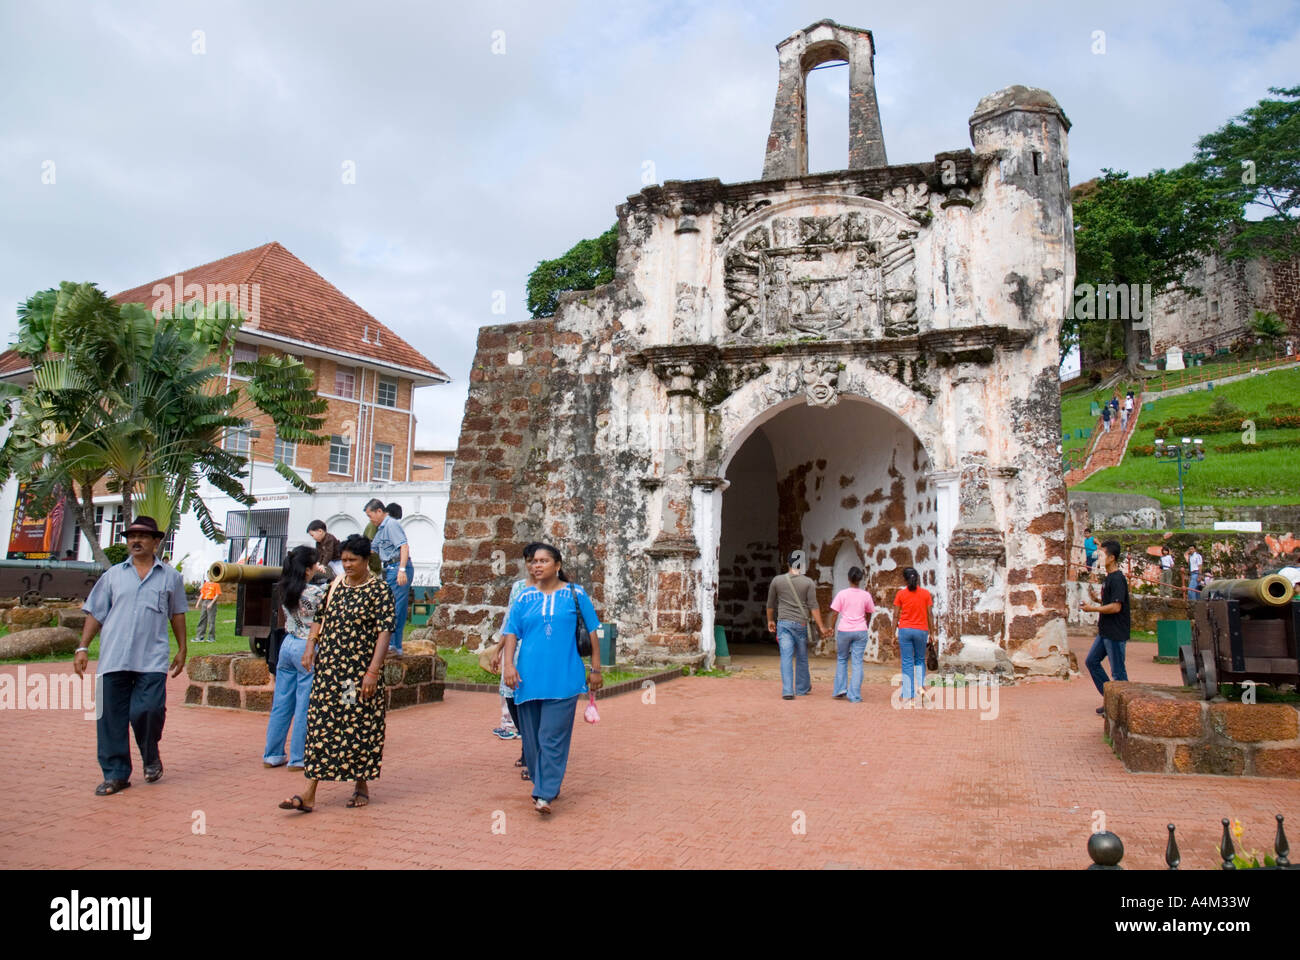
{"points": [[138, 401], [1268, 327]]}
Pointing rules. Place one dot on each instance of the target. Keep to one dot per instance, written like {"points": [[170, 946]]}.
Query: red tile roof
{"points": [[296, 302], [11, 362]]}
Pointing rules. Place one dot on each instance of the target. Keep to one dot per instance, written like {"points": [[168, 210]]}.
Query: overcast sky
{"points": [[472, 163]]}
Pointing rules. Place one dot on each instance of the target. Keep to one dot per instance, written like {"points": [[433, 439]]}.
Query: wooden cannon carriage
{"points": [[1243, 630]]}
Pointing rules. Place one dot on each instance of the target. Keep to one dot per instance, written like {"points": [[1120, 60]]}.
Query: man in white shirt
{"points": [[1194, 578], [1166, 572]]}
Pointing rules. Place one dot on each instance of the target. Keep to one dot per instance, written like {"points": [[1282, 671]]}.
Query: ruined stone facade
{"points": [[860, 364], [1230, 293]]}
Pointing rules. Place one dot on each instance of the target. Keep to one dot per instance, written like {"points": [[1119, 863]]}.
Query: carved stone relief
{"points": [[845, 276]]}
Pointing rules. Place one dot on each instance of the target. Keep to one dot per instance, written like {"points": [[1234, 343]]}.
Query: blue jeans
{"points": [[292, 688], [401, 601], [792, 637], [1194, 586], [1104, 649], [135, 699], [547, 729], [849, 648], [911, 646]]}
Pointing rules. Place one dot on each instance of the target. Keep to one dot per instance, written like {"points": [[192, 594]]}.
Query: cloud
{"points": [[472, 165]]}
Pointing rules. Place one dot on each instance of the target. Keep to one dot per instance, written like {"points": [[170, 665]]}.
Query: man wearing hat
{"points": [[132, 602]]}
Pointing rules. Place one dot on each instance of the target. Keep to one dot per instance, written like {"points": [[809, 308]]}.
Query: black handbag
{"points": [[273, 644], [582, 636]]}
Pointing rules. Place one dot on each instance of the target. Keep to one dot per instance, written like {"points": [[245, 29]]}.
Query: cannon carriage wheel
{"points": [[1198, 670]]}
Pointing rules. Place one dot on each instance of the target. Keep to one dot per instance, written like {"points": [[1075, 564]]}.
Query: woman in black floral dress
{"points": [[345, 715]]}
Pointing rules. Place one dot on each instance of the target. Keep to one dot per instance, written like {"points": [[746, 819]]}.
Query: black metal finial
{"points": [[1172, 856], [1106, 850], [1226, 849], [1280, 846]]}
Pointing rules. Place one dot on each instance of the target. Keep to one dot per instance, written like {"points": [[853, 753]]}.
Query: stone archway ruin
{"points": [[932, 290]]}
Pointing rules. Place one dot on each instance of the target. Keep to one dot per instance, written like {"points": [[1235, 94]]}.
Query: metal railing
{"points": [[1107, 850]]}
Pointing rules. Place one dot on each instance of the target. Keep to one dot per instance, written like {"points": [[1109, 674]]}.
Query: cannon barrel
{"points": [[1271, 591], [221, 572]]}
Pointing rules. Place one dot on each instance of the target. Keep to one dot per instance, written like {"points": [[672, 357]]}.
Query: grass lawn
{"points": [[226, 641], [462, 667], [1245, 476], [1076, 413]]}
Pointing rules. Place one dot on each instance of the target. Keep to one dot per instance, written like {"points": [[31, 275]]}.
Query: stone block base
{"points": [[1158, 729], [240, 681]]}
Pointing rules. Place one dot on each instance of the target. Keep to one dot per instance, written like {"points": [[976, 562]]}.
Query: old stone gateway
{"points": [[860, 364]]}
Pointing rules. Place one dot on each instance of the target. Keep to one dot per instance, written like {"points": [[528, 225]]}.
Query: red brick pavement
{"points": [[709, 775]]}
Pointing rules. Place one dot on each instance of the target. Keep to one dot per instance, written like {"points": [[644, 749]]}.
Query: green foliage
{"points": [[1263, 140], [584, 267], [116, 552], [138, 401], [1223, 407], [1263, 473], [1141, 230], [1268, 327]]}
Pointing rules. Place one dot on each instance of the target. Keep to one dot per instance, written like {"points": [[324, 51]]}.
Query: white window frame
{"points": [[376, 474], [351, 393], [379, 392], [346, 445], [281, 446]]}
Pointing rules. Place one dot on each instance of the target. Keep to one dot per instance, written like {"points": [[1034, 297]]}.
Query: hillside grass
{"points": [[1245, 476]]}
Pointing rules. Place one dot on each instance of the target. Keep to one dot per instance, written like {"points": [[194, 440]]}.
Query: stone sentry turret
{"points": [[861, 364]]}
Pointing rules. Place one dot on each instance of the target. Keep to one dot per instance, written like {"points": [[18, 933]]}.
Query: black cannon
{"points": [[257, 603], [1243, 630]]}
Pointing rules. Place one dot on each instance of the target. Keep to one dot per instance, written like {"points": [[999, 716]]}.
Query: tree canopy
{"points": [[585, 266], [1255, 159], [1155, 229], [140, 402]]}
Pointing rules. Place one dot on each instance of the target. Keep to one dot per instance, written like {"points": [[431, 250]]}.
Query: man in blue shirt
{"points": [[133, 602], [395, 556]]}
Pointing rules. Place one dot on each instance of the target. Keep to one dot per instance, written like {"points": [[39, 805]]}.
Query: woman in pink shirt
{"points": [[851, 607]]}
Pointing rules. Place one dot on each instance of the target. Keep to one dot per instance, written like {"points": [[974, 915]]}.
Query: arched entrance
{"points": [[849, 484]]}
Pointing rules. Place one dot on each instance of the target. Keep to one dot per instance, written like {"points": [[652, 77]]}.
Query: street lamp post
{"points": [[1182, 454]]}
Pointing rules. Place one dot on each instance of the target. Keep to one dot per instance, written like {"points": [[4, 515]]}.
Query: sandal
{"points": [[523, 775], [153, 774], [359, 799], [295, 803], [110, 787], [519, 763]]}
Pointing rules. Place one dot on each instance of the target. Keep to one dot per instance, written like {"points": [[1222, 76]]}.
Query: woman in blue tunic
{"points": [[549, 676]]}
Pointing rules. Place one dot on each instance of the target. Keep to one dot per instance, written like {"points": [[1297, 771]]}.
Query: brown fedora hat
{"points": [[144, 524]]}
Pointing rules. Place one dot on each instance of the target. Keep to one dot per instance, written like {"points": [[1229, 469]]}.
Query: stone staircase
{"points": [[1107, 448]]}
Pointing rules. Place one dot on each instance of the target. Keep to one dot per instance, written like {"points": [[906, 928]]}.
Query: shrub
{"points": [[1222, 408], [116, 552]]}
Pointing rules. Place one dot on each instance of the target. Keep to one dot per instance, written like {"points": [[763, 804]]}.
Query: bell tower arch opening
{"points": [[806, 50]]}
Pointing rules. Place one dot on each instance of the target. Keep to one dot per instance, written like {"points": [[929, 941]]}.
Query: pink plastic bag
{"points": [[590, 714]]}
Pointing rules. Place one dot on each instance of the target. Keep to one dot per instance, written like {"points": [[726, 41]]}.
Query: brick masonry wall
{"points": [[499, 485], [243, 682], [1157, 729]]}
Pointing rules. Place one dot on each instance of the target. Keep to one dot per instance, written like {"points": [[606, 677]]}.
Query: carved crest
{"points": [[847, 275]]}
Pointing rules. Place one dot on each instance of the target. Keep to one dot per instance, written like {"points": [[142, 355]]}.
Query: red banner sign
{"points": [[33, 537]]}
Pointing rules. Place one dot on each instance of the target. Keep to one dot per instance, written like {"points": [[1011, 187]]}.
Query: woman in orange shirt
{"points": [[915, 618]]}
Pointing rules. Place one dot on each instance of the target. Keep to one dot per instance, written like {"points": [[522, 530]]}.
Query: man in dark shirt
{"points": [[1112, 622], [791, 604]]}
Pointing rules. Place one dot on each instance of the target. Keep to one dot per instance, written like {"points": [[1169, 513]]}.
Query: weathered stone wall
{"points": [[1231, 292], [893, 329]]}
